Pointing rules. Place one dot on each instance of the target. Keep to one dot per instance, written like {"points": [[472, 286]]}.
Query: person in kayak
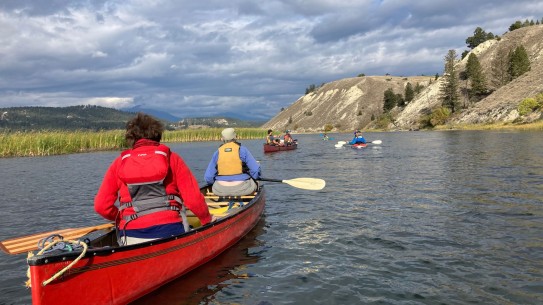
{"points": [[232, 169], [152, 184], [358, 138]]}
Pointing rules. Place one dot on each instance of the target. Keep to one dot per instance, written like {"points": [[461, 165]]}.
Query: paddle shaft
{"points": [[270, 180], [301, 183]]}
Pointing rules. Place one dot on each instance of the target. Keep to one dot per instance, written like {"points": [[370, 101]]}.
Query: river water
{"points": [[424, 218]]}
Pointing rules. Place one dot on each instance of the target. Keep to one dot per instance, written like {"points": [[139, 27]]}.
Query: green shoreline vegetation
{"points": [[534, 126], [48, 143]]}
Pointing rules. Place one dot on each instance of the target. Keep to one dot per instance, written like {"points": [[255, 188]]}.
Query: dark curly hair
{"points": [[143, 126]]}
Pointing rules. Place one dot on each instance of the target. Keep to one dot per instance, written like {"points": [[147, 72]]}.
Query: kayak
{"points": [[359, 145], [107, 273], [274, 148]]}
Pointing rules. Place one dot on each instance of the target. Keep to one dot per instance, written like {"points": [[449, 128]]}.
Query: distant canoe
{"points": [[274, 148]]}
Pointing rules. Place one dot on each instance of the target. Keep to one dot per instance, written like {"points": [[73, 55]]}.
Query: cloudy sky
{"points": [[202, 58]]}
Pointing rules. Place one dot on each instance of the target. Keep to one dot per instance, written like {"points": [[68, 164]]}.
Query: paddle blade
{"points": [[339, 145], [30, 243], [376, 142], [312, 184], [341, 142]]}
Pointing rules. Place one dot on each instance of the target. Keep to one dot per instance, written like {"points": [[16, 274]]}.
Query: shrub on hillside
{"points": [[383, 121], [539, 99], [528, 105], [439, 116]]}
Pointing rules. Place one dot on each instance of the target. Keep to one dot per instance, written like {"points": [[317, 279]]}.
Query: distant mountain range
{"points": [[91, 117], [237, 119], [62, 118]]}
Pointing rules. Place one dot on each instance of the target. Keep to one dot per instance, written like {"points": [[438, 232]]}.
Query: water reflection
{"points": [[200, 285]]}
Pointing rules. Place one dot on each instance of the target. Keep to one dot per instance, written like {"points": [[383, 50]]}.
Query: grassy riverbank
{"points": [[46, 143], [535, 126]]}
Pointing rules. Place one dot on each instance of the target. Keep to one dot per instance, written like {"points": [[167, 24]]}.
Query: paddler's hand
{"points": [[213, 218]]}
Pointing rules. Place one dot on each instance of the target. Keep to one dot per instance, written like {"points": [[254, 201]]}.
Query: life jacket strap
{"points": [[135, 216], [146, 204], [152, 205]]}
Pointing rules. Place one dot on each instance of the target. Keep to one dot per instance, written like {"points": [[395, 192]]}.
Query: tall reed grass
{"points": [[210, 134], [46, 143]]}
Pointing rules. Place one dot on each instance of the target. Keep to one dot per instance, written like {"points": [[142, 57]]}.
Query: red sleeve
{"points": [[189, 189], [104, 201]]}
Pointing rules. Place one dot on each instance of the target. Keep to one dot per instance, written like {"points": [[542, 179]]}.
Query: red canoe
{"points": [[273, 148], [112, 274]]}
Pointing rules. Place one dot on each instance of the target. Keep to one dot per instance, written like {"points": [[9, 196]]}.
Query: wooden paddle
{"points": [[313, 184], [30, 242]]}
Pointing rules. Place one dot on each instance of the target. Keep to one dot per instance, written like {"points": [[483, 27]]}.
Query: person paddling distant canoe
{"points": [[358, 138], [288, 138], [271, 140]]}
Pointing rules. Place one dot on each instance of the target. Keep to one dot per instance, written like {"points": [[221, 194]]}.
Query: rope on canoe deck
{"points": [[61, 272]]}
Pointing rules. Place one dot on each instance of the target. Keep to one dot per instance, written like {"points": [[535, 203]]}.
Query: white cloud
{"points": [[206, 57], [111, 102]]}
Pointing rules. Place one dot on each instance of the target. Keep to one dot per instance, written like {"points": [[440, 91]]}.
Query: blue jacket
{"points": [[245, 155], [356, 140]]}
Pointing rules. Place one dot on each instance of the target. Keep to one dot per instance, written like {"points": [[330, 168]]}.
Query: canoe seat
{"points": [[214, 201]]}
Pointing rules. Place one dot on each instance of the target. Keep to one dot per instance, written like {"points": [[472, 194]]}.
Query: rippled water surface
{"points": [[423, 218]]}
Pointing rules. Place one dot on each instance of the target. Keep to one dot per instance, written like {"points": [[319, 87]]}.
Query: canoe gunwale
{"points": [[44, 259], [275, 148]]}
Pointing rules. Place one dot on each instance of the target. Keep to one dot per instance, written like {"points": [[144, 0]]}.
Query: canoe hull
{"points": [[124, 274], [274, 148]]}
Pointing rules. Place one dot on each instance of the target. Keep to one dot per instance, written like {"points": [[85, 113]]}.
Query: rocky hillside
{"points": [[344, 104], [352, 103]]}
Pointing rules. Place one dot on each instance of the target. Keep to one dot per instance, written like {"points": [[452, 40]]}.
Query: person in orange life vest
{"points": [[152, 179], [288, 138], [232, 168]]}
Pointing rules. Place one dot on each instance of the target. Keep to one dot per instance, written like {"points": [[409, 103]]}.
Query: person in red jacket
{"points": [[152, 184]]}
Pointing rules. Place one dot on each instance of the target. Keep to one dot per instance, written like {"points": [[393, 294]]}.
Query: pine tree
{"points": [[418, 88], [515, 26], [475, 74], [479, 36], [500, 67], [449, 88], [400, 101], [389, 100], [409, 93], [519, 63]]}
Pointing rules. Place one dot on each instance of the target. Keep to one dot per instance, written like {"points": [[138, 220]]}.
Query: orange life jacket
{"points": [[229, 163]]}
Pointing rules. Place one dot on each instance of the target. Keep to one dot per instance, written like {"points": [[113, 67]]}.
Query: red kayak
{"points": [[359, 145], [111, 274], [273, 148]]}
